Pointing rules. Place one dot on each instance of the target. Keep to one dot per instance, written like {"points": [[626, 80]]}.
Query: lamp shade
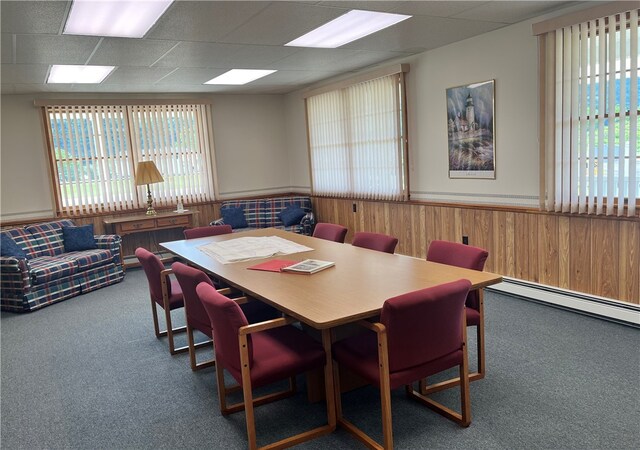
{"points": [[147, 173]]}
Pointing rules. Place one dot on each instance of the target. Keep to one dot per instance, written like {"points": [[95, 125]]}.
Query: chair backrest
{"points": [[189, 278], [330, 232], [152, 266], [424, 325], [375, 241], [459, 255], [226, 319], [211, 230]]}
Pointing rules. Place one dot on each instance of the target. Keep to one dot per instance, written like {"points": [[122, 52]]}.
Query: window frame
{"points": [[134, 196], [400, 70]]}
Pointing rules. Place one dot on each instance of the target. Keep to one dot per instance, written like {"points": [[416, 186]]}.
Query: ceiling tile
{"points": [[7, 89], [282, 22], [382, 6], [422, 33], [7, 48], [133, 75], [24, 73], [204, 21], [35, 88], [40, 17], [337, 59], [435, 8], [190, 76], [197, 54], [495, 11], [41, 49], [130, 52]]}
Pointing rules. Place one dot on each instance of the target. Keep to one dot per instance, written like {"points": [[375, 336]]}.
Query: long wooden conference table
{"points": [[355, 288]]}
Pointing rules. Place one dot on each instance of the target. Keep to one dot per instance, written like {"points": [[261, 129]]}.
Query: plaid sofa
{"points": [[263, 213], [48, 274]]}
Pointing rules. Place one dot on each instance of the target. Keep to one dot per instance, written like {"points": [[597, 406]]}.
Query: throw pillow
{"points": [[234, 217], [78, 238], [291, 215], [8, 247]]}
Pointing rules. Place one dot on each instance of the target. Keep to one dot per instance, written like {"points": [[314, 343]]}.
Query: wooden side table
{"points": [[141, 223]]}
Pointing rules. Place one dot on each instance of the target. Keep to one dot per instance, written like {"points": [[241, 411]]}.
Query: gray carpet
{"points": [[88, 373]]}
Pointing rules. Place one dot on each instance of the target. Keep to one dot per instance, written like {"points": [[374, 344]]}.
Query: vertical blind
{"points": [[356, 140], [94, 151], [592, 151]]}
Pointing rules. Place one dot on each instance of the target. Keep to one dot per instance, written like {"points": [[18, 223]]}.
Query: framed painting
{"points": [[471, 130]]}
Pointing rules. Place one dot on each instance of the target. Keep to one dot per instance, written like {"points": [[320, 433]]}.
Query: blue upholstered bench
{"points": [[45, 271], [292, 213]]}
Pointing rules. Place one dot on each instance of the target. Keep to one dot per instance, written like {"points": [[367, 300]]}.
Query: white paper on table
{"points": [[248, 248]]}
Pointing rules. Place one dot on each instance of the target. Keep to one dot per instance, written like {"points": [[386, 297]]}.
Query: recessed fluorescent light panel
{"points": [[349, 27], [78, 74], [123, 18], [240, 76]]}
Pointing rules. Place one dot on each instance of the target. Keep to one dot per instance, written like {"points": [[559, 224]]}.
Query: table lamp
{"points": [[147, 173]]}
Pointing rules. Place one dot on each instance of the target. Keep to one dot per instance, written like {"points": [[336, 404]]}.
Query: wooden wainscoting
{"points": [[594, 255]]}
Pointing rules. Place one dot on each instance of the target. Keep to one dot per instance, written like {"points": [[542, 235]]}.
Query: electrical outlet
{"points": [[465, 240], [354, 207]]}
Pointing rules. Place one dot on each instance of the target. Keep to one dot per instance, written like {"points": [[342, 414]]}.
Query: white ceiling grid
{"points": [[195, 41]]}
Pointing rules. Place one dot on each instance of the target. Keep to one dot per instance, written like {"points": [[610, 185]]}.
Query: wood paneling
{"points": [[591, 254], [597, 255]]}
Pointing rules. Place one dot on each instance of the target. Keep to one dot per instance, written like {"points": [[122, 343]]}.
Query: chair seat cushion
{"points": [[473, 316], [280, 353], [359, 354]]}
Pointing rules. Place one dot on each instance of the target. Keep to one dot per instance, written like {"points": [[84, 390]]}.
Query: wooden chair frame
{"points": [[249, 402], [463, 418], [426, 389], [195, 365], [170, 331]]}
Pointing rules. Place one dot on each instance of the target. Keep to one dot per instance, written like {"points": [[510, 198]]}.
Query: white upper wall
{"points": [[508, 56], [261, 140], [249, 140]]}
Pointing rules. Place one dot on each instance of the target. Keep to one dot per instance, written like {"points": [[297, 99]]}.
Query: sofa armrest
{"points": [[308, 222], [111, 242], [15, 278]]}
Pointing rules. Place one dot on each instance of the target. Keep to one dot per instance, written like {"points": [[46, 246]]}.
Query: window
{"points": [[590, 132], [357, 140], [94, 151]]}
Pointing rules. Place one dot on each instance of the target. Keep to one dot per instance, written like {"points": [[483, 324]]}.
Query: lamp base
{"points": [[150, 210]]}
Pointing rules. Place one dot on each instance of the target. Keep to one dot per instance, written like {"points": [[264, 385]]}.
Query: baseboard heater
{"points": [[591, 305]]}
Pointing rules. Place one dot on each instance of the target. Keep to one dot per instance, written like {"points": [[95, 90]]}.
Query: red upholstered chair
{"points": [[165, 292], [211, 230], [330, 232], [375, 241], [468, 257], [258, 355], [420, 333], [196, 316]]}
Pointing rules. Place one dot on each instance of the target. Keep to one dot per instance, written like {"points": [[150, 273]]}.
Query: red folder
{"points": [[274, 265]]}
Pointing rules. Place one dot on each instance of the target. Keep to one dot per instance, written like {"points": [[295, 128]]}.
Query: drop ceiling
{"points": [[195, 41]]}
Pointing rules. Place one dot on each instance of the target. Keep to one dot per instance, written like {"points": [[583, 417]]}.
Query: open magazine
{"points": [[308, 266]]}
